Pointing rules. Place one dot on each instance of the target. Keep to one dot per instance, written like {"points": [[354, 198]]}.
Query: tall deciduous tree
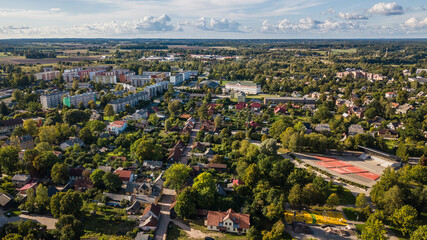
{"points": [[176, 176], [9, 159], [109, 110], [405, 219], [59, 173], [185, 206]]}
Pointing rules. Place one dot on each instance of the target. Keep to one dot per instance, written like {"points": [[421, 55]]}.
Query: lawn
{"points": [[346, 197], [12, 213], [360, 227], [176, 233], [316, 217], [351, 214], [350, 50], [106, 221]]}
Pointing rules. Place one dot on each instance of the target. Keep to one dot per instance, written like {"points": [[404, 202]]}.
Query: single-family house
{"points": [[125, 175], [71, 142], [355, 129], [324, 127], [117, 127], [23, 190], [229, 221], [6, 202], [20, 180], [153, 165], [24, 142]]}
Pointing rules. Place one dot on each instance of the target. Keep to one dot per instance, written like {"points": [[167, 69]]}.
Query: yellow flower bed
{"points": [[320, 217]]}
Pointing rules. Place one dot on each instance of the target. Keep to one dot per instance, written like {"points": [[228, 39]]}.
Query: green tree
{"points": [[69, 227], [269, 147], [218, 121], [374, 229], [60, 173], [312, 195], [333, 200], [405, 219], [175, 107], [111, 181], [278, 232], [153, 119], [30, 126], [42, 198], [9, 159], [96, 178], [185, 206], [66, 203], [109, 110], [420, 233], [361, 201], [295, 197], [204, 185], [145, 149], [176, 176]]}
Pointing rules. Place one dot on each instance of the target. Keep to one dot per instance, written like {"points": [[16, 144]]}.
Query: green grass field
{"points": [[351, 50], [346, 197]]}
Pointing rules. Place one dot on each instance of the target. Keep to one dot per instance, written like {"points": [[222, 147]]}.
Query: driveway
{"points": [[49, 221], [187, 150], [165, 203]]}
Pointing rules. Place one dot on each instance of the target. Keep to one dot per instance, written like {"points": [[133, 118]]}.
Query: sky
{"points": [[227, 19]]}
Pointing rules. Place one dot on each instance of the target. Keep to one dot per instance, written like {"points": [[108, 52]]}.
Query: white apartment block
{"points": [[70, 74], [105, 79], [139, 80], [156, 89], [129, 87], [133, 99], [243, 86], [177, 79], [52, 100], [47, 76]]}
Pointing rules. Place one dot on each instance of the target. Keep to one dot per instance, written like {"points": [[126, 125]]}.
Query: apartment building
{"points": [[158, 74], [47, 76], [70, 74], [181, 77], [52, 100], [75, 100], [139, 80], [156, 89], [243, 86], [105, 79], [131, 100]]}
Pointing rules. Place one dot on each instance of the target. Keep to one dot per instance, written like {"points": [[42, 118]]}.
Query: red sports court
{"points": [[339, 170], [325, 159], [325, 164], [340, 164], [354, 170], [369, 175]]}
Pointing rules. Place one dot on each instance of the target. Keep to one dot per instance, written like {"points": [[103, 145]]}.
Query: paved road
{"points": [[187, 150], [165, 202]]}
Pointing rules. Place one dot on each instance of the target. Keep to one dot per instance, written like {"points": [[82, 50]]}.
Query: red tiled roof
{"points": [[27, 186], [123, 174], [214, 218]]}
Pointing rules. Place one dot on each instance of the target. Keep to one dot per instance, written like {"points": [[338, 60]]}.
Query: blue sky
{"points": [[213, 19]]}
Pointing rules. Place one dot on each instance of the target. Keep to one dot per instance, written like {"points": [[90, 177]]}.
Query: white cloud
{"points": [[217, 25], [386, 9], [55, 9], [139, 26], [416, 23], [307, 24], [352, 16]]}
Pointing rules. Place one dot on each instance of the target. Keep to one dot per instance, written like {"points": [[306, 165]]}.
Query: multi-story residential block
{"points": [[243, 86], [158, 74], [139, 80], [75, 100], [156, 89], [131, 100], [129, 87], [52, 100], [177, 79], [70, 74], [47, 76], [105, 79], [355, 74]]}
